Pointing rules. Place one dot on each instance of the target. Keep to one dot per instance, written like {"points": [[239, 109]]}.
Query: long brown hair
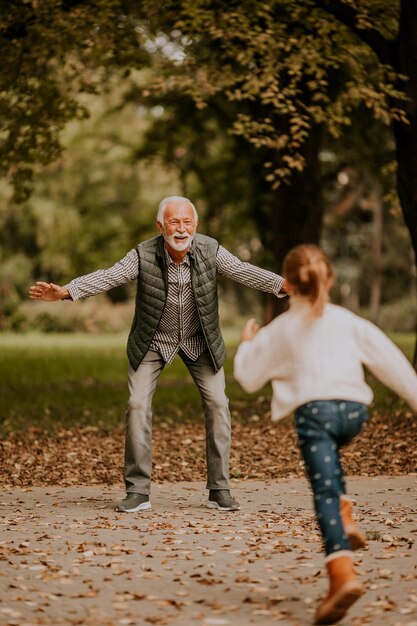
{"points": [[310, 273]]}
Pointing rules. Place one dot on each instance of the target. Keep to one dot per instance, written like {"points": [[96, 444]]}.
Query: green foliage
{"points": [[288, 65], [86, 211], [365, 156], [214, 167], [244, 86], [16, 272], [53, 51]]}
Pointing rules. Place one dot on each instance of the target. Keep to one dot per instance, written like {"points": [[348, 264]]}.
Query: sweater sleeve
{"points": [[382, 357], [255, 361]]}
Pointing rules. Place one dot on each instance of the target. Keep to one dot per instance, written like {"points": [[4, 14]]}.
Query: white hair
{"points": [[169, 200]]}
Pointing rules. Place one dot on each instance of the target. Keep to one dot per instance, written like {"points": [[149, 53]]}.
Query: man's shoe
{"points": [[222, 500], [134, 502]]}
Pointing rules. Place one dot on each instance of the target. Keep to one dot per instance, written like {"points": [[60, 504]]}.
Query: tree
{"points": [[398, 52], [86, 209], [306, 65], [291, 68], [226, 174], [51, 53]]}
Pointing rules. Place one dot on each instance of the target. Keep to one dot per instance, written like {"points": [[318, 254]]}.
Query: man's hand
{"points": [[48, 291], [249, 331]]}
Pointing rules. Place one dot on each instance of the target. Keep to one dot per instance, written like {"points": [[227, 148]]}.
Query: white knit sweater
{"points": [[321, 358]]}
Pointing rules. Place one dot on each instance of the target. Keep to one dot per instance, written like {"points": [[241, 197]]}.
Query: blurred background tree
{"points": [[276, 117]]}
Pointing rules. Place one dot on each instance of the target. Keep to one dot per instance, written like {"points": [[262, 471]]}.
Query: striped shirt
{"points": [[179, 327]]}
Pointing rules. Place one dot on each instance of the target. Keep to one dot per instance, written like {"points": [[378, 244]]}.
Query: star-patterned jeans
{"points": [[323, 427]]}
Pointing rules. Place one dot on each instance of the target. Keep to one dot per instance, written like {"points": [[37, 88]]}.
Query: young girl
{"points": [[314, 356]]}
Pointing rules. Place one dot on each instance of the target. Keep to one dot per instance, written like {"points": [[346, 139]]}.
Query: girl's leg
{"points": [[318, 447], [322, 427]]}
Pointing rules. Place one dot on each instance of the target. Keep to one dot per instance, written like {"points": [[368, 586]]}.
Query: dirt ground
{"points": [[68, 558]]}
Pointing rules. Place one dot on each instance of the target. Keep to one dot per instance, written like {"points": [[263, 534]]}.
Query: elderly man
{"points": [[176, 313]]}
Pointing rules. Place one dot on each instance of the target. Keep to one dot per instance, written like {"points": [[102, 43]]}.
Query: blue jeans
{"points": [[323, 427]]}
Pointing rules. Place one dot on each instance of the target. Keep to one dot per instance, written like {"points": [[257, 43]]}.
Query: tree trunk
{"points": [[406, 140], [402, 55], [406, 134], [291, 215], [376, 287]]}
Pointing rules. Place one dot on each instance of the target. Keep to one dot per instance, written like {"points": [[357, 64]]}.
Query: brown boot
{"points": [[356, 538], [344, 590]]}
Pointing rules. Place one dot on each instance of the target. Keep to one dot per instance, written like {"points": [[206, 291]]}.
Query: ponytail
{"points": [[309, 271]]}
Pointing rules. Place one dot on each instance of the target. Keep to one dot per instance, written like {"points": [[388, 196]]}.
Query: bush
{"points": [[398, 316], [49, 323]]}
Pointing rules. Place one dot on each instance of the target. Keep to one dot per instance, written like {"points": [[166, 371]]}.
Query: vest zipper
{"points": [[216, 369]]}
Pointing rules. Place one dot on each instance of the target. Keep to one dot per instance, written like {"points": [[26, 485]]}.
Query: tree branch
{"points": [[384, 48]]}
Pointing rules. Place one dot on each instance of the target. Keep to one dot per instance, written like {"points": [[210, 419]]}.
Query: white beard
{"points": [[179, 246]]}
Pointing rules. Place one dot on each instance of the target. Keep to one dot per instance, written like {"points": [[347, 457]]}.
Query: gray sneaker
{"points": [[221, 499], [134, 502]]}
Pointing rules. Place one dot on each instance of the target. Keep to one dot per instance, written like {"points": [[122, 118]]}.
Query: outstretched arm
{"points": [[48, 291], [386, 362], [125, 270], [248, 274]]}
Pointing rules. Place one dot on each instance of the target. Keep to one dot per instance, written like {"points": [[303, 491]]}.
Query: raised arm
{"points": [[125, 270], [386, 362], [255, 361], [248, 274]]}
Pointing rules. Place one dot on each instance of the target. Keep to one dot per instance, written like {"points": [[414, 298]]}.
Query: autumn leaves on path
{"points": [[68, 558]]}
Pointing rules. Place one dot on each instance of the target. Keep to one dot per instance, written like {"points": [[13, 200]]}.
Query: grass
{"points": [[47, 381], [65, 379]]}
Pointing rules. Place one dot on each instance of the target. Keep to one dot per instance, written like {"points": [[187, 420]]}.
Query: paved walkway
{"points": [[67, 558]]}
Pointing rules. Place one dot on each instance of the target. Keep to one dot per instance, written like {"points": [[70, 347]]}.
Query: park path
{"points": [[68, 558]]}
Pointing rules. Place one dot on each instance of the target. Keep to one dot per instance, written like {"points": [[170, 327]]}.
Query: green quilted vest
{"points": [[151, 296]]}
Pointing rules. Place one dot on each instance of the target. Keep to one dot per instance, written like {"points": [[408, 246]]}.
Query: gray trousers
{"points": [[138, 447]]}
